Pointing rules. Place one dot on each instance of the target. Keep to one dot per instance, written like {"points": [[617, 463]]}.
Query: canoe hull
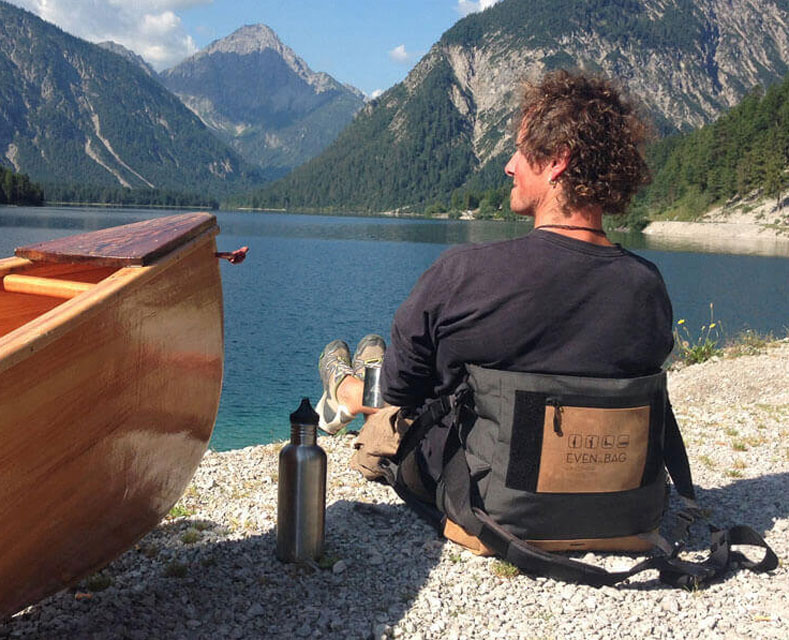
{"points": [[107, 403]]}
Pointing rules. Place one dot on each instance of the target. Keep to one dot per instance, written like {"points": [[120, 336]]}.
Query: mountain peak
{"points": [[259, 96], [115, 126], [248, 39], [256, 39]]}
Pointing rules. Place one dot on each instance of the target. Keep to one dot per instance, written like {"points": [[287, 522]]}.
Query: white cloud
{"points": [[399, 54], [150, 28], [376, 93], [466, 7]]}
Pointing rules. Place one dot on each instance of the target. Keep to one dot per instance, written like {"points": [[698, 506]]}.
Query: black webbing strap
{"points": [[722, 557], [532, 559], [433, 414], [428, 512], [675, 456]]}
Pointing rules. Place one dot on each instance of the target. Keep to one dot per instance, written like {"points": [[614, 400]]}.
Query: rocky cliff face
{"points": [[686, 61], [71, 112], [129, 55], [259, 96]]}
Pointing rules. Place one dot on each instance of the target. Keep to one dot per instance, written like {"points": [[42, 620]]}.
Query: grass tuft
{"points": [[739, 445], [175, 569], [190, 536], [179, 511], [504, 569], [97, 582], [748, 343], [694, 349], [327, 561]]}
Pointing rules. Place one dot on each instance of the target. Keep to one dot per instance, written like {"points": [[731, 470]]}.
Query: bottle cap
{"points": [[305, 414]]}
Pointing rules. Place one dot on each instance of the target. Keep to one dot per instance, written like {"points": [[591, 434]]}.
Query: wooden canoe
{"points": [[111, 355]]}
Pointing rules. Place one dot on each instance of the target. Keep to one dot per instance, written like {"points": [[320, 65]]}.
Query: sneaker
{"points": [[334, 364], [370, 350]]}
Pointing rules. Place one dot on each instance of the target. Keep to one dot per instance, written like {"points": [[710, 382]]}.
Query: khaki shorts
{"points": [[379, 438]]}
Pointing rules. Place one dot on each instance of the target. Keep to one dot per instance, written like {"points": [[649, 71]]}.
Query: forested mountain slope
{"points": [[72, 112], [16, 188], [447, 126], [744, 151]]}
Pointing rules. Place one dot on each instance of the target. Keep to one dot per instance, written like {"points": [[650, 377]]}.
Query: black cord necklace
{"points": [[571, 227]]}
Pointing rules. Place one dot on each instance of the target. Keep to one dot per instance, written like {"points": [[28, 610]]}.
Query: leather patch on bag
{"points": [[624, 543], [458, 535], [593, 450]]}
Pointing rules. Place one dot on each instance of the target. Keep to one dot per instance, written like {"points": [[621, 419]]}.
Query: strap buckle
{"points": [[679, 573]]}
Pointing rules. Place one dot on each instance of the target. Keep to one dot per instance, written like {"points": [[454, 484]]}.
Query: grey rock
{"points": [[339, 567]]}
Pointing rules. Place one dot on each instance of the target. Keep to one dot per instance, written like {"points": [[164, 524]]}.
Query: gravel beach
{"points": [[209, 570], [753, 225]]}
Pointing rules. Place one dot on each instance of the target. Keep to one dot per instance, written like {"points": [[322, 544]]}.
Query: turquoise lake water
{"points": [[310, 279]]}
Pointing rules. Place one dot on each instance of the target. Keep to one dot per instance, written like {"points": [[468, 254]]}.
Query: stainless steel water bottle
{"points": [[301, 502]]}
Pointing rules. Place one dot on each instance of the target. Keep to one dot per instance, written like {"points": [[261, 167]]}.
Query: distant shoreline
{"points": [[99, 205], [711, 229]]}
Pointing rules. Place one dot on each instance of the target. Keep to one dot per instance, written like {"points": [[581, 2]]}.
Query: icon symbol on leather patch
{"points": [[575, 441], [609, 441], [591, 442], [623, 440]]}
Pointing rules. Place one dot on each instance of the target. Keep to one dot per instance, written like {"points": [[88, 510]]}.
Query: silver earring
{"points": [[552, 182]]}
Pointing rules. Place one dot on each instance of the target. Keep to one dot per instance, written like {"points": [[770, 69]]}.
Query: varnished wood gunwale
{"points": [[107, 403]]}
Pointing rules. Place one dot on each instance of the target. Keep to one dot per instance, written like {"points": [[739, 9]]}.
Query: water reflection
{"points": [[383, 229], [703, 243], [73, 220]]}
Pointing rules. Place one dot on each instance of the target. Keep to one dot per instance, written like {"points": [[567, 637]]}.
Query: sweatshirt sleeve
{"points": [[409, 370]]}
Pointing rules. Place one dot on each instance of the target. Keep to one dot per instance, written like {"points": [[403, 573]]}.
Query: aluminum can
{"points": [[371, 395]]}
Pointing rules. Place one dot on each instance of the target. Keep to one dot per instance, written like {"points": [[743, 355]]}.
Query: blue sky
{"points": [[371, 44]]}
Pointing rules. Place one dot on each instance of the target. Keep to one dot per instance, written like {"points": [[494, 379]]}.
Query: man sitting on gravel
{"points": [[561, 300]]}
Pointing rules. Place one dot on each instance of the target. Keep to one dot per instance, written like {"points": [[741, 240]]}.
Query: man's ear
{"points": [[559, 164]]}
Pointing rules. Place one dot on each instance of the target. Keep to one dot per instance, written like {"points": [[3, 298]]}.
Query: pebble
{"points": [[391, 577], [339, 567]]}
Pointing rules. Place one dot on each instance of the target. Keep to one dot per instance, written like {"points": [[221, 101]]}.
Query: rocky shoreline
{"points": [[208, 571], [718, 237], [751, 225], [732, 230]]}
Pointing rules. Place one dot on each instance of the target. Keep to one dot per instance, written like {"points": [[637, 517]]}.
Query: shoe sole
{"points": [[341, 418]]}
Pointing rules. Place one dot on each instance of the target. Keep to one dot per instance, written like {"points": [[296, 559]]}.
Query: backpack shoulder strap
{"points": [[675, 456]]}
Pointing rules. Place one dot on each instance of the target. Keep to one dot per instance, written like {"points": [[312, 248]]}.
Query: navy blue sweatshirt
{"points": [[543, 303]]}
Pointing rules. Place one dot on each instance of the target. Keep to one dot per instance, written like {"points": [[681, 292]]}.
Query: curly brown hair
{"points": [[586, 117]]}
